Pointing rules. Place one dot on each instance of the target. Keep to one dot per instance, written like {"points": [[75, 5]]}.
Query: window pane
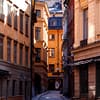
{"points": [[85, 24], [38, 55], [37, 33], [21, 54], [84, 80], [27, 25], [38, 13], [53, 23], [15, 52], [1, 10], [21, 21], [51, 37], [1, 47], [13, 87], [52, 52], [26, 56], [15, 18], [98, 79], [9, 50], [9, 17], [20, 88], [1, 6], [51, 67]]}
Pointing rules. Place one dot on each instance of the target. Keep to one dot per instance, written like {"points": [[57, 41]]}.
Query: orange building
{"points": [[55, 32]]}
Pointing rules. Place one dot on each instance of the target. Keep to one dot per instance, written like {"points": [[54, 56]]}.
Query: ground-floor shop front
{"points": [[14, 82], [87, 79]]}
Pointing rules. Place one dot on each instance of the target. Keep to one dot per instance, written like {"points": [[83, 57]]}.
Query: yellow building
{"points": [[14, 49], [87, 50], [41, 44], [55, 53]]}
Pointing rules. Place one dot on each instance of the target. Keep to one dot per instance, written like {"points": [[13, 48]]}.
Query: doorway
{"points": [[37, 84]]}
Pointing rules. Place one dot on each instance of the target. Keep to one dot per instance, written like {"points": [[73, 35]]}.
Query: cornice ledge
{"points": [[89, 46]]}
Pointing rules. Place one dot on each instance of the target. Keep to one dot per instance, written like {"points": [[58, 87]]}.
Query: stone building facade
{"points": [[87, 50], [40, 46], [14, 49], [68, 40]]}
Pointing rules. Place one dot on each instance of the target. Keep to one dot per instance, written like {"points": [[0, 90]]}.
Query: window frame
{"points": [[51, 52], [38, 13], [9, 14], [38, 33], [83, 80], [15, 52], [20, 87], [13, 87], [26, 55], [53, 22], [9, 49], [97, 79], [21, 21], [21, 54], [2, 10], [51, 36], [38, 55], [26, 25], [15, 18], [1, 46], [51, 70], [85, 24]]}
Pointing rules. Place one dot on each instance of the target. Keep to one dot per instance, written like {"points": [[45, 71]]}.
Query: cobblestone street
{"points": [[50, 95]]}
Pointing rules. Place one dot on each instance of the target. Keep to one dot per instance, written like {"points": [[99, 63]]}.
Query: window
{"points": [[51, 37], [9, 50], [26, 56], [85, 24], [20, 88], [15, 18], [84, 80], [52, 52], [37, 33], [1, 10], [53, 23], [1, 47], [1, 6], [98, 79], [9, 16], [21, 21], [38, 13], [38, 55], [15, 52], [26, 25], [8, 87], [26, 88], [21, 54], [51, 68], [13, 87]]}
